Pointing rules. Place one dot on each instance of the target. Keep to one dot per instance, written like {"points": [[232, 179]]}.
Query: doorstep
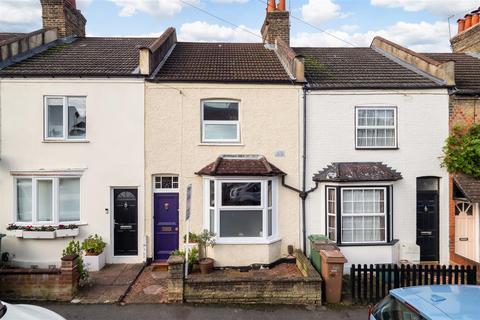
{"points": [[109, 285]]}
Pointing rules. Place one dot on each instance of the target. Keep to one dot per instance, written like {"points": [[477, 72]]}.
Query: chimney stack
{"points": [[63, 15], [277, 23], [468, 36]]}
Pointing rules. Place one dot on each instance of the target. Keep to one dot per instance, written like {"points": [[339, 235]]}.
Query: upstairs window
{"points": [[220, 121], [65, 118], [376, 128]]}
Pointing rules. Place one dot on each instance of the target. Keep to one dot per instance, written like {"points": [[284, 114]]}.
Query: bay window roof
{"points": [[357, 172], [240, 165]]}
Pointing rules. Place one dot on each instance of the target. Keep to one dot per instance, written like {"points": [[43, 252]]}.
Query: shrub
{"points": [[93, 245], [73, 248], [462, 151]]}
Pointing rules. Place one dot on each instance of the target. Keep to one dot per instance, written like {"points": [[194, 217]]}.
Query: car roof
{"points": [[442, 301]]}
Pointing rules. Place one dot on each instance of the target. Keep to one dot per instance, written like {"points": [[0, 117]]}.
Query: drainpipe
{"points": [[303, 193]]}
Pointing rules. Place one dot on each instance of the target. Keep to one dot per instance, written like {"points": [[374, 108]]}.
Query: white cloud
{"points": [[20, 15], [421, 37], [318, 11], [230, 1], [157, 8], [83, 4], [203, 31], [438, 7]]}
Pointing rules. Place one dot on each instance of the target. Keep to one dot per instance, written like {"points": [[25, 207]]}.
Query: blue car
{"points": [[437, 302]]}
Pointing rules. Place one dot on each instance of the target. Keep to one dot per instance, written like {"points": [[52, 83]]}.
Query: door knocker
{"points": [[166, 205]]}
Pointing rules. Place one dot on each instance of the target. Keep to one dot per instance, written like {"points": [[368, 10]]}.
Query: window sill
{"points": [[372, 244], [66, 141], [247, 241], [379, 148], [229, 144]]}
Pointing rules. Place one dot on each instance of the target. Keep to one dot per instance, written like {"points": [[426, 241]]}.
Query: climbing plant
{"points": [[462, 151]]}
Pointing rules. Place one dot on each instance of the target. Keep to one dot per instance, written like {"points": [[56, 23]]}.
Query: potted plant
{"points": [[63, 231], [94, 255], [14, 230], [192, 238], [192, 257], [205, 239]]}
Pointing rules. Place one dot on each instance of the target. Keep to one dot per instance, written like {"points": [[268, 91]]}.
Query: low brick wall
{"points": [[41, 284], [300, 290]]}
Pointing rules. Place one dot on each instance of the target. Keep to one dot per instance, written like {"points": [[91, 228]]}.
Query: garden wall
{"points": [[40, 284]]}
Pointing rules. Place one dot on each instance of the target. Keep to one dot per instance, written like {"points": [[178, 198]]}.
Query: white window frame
{"points": [[384, 214], [331, 214], [65, 119], [375, 127], [265, 239], [165, 190], [55, 198], [230, 122]]}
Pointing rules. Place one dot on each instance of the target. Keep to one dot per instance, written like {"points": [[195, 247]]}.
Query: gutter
{"points": [[303, 193]]}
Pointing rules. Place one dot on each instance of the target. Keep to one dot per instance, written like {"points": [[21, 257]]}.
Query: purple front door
{"points": [[165, 220]]}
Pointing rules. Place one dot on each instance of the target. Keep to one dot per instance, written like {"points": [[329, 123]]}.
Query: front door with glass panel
{"points": [[125, 230], [427, 218], [466, 230]]}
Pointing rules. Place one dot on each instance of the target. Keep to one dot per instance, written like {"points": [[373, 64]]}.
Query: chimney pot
{"points": [[461, 25], [475, 18], [271, 6], [468, 21], [281, 5]]}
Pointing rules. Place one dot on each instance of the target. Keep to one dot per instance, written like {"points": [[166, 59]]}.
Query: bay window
{"points": [[65, 118], [220, 121], [361, 215], [241, 210], [376, 127], [47, 200]]}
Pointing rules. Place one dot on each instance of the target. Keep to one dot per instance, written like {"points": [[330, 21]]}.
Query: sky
{"points": [[421, 25]]}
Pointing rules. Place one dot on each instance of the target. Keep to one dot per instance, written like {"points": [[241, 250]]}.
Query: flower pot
{"points": [[206, 265], [62, 233], [38, 234], [15, 233], [94, 263]]}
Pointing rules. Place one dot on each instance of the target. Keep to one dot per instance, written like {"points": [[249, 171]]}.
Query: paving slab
{"points": [[150, 287], [108, 285]]}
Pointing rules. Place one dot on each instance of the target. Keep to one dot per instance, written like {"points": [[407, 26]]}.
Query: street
{"points": [[162, 311]]}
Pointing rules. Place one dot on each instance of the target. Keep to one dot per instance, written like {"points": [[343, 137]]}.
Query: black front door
{"points": [[427, 218], [125, 218]]}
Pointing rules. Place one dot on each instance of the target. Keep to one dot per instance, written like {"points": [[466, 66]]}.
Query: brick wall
{"points": [[41, 284], [467, 41], [276, 24], [464, 112], [62, 15]]}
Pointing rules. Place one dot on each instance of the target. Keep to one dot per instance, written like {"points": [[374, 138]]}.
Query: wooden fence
{"points": [[369, 284]]}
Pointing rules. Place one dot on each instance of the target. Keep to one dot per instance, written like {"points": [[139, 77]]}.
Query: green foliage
{"points": [[93, 245], [192, 237], [192, 255], [205, 239], [74, 248], [462, 151]]}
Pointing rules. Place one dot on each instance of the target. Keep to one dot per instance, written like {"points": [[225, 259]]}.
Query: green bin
{"points": [[314, 251]]}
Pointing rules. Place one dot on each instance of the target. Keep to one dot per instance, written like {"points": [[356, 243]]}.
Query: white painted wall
{"points": [[113, 155], [422, 117]]}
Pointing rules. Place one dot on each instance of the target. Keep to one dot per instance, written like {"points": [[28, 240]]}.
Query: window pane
{"points": [[269, 193], [220, 131], [241, 194], [270, 222], [166, 182], [24, 200], [212, 220], [77, 118], [246, 223], [220, 111], [69, 199], [427, 184], [55, 117], [331, 221], [212, 193], [44, 200]]}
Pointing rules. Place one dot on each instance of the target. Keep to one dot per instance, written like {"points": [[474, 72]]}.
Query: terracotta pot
{"points": [[206, 265]]}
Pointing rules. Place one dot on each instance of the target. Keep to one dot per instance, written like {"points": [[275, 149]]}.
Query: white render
{"points": [[422, 117], [111, 156]]}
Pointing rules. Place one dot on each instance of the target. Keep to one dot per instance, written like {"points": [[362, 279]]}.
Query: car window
{"points": [[392, 309], [3, 309]]}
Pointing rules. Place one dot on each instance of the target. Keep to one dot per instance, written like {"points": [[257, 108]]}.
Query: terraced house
{"points": [[273, 143]]}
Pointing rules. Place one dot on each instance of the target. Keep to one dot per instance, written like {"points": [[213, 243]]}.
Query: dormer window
{"points": [[65, 118], [376, 127], [220, 121]]}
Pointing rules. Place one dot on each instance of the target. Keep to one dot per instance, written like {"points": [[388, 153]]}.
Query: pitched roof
{"points": [[469, 185], [89, 56], [467, 70], [357, 171], [240, 165], [358, 68], [222, 62], [6, 36]]}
